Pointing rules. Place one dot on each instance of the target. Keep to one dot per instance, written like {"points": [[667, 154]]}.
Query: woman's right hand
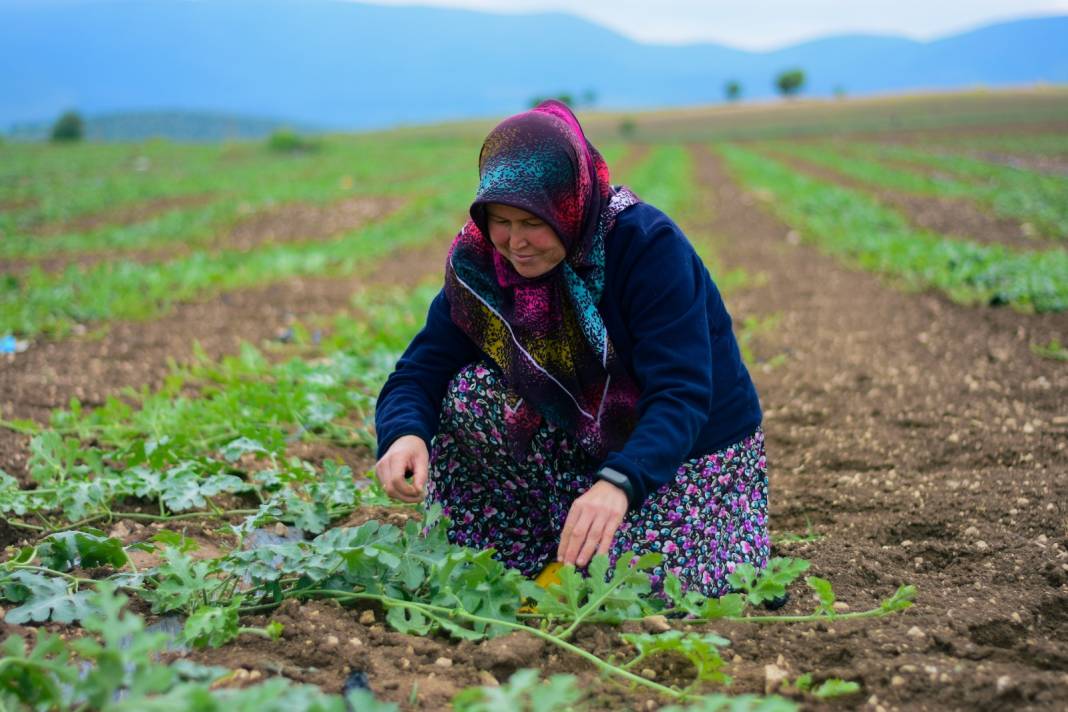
{"points": [[408, 453]]}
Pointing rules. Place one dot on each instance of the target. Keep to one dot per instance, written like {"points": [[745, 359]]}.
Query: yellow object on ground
{"points": [[549, 575]]}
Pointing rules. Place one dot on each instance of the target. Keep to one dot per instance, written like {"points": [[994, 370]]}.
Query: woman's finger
{"points": [[592, 540], [578, 535], [384, 473], [394, 482], [608, 535], [420, 467], [573, 516]]}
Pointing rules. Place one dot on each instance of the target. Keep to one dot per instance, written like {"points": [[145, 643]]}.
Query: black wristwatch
{"points": [[619, 480]]}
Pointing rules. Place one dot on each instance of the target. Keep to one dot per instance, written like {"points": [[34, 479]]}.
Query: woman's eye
{"points": [[532, 224]]}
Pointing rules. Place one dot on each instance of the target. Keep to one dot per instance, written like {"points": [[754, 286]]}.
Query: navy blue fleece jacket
{"points": [[669, 325]]}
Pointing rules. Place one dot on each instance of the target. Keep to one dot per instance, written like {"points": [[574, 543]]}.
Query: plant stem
{"points": [[43, 570], [603, 665], [805, 618], [23, 525], [141, 516]]}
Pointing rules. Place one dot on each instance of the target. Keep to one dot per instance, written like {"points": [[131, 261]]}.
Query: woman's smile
{"points": [[525, 240]]}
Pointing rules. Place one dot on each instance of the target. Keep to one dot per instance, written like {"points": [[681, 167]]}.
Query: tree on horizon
{"points": [[790, 82], [69, 127]]}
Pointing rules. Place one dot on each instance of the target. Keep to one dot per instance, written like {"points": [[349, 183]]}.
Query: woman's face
{"points": [[524, 239]]}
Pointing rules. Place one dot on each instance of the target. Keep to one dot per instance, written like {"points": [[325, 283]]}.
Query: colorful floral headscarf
{"points": [[545, 333]]}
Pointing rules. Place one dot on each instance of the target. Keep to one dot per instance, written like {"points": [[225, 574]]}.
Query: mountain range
{"points": [[347, 65]]}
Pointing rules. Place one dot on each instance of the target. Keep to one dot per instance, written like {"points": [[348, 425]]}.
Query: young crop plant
{"points": [[39, 303], [116, 667], [1018, 193], [184, 454], [700, 649], [1053, 350], [826, 690], [524, 692], [425, 584], [858, 228]]}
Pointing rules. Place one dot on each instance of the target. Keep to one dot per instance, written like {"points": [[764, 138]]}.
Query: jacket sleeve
{"points": [[665, 307], [410, 401]]}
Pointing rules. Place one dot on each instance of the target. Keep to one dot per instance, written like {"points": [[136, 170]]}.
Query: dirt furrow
{"points": [[1056, 165], [955, 217], [636, 153], [926, 443]]}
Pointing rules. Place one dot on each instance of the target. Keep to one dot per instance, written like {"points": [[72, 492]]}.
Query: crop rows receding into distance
{"points": [[217, 498]]}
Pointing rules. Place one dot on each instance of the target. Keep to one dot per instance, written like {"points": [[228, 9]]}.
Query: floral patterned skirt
{"points": [[709, 519]]}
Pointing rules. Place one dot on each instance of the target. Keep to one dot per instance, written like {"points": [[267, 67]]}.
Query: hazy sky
{"points": [[763, 24]]}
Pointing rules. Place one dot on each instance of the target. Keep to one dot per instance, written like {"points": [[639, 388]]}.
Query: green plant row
{"points": [[41, 303], [238, 193], [1029, 196], [1043, 144], [856, 226], [234, 435], [58, 183], [664, 178]]}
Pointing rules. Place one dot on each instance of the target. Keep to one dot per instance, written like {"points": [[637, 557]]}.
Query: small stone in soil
{"points": [[774, 677], [367, 617], [915, 632], [656, 624], [443, 662]]}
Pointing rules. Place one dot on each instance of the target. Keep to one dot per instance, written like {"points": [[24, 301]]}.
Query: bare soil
{"points": [[1053, 164], [922, 440], [927, 444]]}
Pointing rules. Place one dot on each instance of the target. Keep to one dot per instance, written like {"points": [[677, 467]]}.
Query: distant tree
{"points": [[288, 141], [589, 97], [839, 92], [733, 90], [790, 82], [68, 127], [627, 127], [562, 96]]}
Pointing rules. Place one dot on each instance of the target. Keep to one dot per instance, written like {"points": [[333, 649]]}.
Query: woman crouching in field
{"points": [[577, 388]]}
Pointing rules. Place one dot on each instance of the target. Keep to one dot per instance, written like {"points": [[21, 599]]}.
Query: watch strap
{"points": [[619, 480]]}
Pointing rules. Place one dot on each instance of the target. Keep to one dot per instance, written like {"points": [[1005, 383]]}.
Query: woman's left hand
{"points": [[591, 523]]}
